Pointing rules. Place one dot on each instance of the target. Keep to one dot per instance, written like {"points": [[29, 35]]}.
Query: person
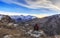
{"points": [[36, 27], [39, 31]]}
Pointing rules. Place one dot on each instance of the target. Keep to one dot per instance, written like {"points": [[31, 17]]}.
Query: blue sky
{"points": [[39, 8]]}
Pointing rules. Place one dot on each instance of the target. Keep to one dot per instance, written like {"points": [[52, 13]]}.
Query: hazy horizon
{"points": [[38, 8]]}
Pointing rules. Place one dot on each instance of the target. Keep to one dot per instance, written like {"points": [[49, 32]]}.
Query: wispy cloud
{"points": [[10, 14], [42, 4], [25, 14], [36, 4]]}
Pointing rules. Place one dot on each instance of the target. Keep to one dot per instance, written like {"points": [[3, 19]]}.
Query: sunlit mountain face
{"points": [[38, 8]]}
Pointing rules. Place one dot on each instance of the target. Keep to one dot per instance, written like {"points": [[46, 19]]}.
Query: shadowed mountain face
{"points": [[22, 18], [51, 24]]}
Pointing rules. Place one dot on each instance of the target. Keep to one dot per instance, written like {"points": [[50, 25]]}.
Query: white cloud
{"points": [[10, 14], [56, 2], [25, 14], [38, 3], [50, 4], [42, 4]]}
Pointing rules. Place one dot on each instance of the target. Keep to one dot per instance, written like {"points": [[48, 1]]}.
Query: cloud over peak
{"points": [[25, 14]]}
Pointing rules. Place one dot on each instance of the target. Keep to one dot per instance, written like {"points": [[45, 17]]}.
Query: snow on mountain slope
{"points": [[22, 17]]}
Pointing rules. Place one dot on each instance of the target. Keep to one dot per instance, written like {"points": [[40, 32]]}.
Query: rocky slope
{"points": [[50, 25]]}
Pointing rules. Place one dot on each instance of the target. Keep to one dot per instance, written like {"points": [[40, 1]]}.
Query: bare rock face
{"points": [[6, 22], [6, 19], [7, 36], [50, 25]]}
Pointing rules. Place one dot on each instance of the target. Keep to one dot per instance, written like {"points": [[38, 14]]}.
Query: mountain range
{"points": [[23, 18], [20, 18], [50, 24]]}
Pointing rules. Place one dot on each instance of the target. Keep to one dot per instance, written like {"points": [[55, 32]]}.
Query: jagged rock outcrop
{"points": [[6, 19]]}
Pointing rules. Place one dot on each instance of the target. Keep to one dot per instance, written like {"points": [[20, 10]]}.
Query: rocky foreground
{"points": [[20, 32], [10, 29]]}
